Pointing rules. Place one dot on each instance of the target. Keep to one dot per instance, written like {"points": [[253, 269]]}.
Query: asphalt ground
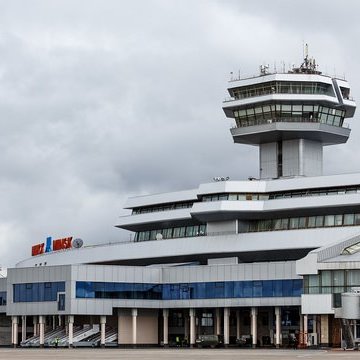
{"points": [[176, 354]]}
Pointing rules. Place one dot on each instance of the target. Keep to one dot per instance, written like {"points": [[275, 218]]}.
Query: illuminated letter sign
{"points": [[61, 244], [37, 249]]}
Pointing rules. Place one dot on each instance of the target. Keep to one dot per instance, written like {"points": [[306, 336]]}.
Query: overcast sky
{"points": [[102, 100]]}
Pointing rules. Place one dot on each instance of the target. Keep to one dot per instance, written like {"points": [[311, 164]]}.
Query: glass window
{"points": [[302, 222], [233, 197], [325, 278], [353, 278], [338, 220], [294, 223], [338, 278], [312, 221], [349, 219], [357, 219], [329, 220], [319, 222]]}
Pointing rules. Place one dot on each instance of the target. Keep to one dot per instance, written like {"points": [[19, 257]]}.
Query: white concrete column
{"points": [[306, 331], [71, 329], [226, 326], [23, 328], [238, 324], [166, 327], [102, 330], [119, 324], [277, 326], [218, 321], [14, 330], [60, 320], [35, 325], [53, 322], [192, 327], [134, 313], [315, 329], [254, 312], [42, 330]]}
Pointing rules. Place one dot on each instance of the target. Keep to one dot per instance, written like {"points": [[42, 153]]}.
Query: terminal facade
{"points": [[270, 261]]}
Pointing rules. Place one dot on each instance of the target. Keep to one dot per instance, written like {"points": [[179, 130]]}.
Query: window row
{"points": [[281, 195], [171, 233], [166, 207], [331, 281], [304, 222], [288, 113], [283, 87], [2, 298], [37, 292], [189, 291]]}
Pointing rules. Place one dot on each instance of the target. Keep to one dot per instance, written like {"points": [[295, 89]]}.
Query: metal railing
{"points": [[281, 120]]}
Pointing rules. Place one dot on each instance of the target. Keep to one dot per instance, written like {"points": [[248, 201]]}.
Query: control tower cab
{"points": [[290, 116]]}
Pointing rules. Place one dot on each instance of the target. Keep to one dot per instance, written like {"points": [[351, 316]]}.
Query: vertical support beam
{"points": [[254, 313], [238, 324], [60, 320], [35, 325], [218, 321], [226, 326], [119, 324], [42, 330], [277, 326], [102, 330], [166, 327], [134, 313], [53, 322], [186, 327], [315, 330], [192, 327], [324, 330], [23, 328], [301, 335], [306, 330], [14, 330], [71, 329]]}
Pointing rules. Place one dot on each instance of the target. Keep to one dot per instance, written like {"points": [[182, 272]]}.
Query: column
{"points": [[60, 320], [305, 330], [226, 326], [238, 324], [192, 327], [186, 328], [134, 314], [277, 326], [218, 321], [324, 330], [53, 322], [102, 330], [23, 328], [301, 334], [71, 329], [42, 330], [254, 312], [14, 330], [119, 324], [315, 330], [35, 325], [166, 327]]}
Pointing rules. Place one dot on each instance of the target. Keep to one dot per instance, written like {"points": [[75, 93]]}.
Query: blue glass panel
{"points": [[257, 288], [267, 290], [247, 289]]}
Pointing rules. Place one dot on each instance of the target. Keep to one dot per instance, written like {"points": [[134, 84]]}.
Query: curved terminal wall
{"points": [[350, 305]]}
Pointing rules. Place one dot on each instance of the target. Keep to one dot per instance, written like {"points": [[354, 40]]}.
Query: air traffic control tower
{"points": [[290, 116]]}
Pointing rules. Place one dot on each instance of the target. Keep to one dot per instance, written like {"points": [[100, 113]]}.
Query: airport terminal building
{"points": [[262, 262]]}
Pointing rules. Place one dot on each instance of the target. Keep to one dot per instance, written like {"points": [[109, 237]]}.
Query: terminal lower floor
{"points": [[279, 326]]}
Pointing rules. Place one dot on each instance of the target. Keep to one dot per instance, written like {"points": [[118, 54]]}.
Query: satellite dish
{"points": [[77, 243], [159, 236]]}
